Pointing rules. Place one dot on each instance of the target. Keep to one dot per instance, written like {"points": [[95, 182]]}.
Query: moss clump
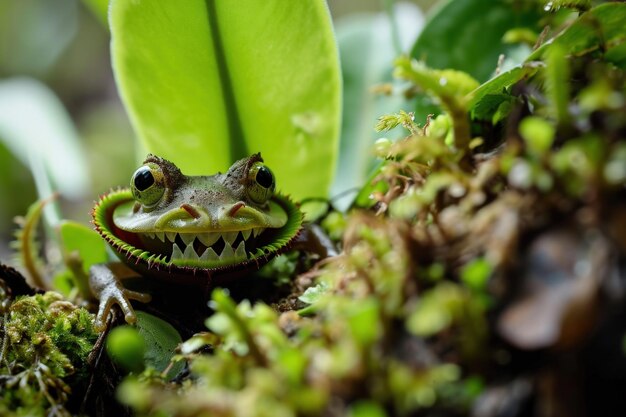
{"points": [[45, 342]]}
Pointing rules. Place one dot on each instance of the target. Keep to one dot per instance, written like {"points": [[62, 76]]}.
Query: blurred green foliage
{"points": [[432, 306]]}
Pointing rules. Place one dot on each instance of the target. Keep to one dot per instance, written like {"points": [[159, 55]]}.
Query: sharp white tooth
{"points": [[210, 255], [187, 238], [208, 239], [161, 236], [229, 237], [176, 252], [190, 253], [246, 233], [240, 253], [171, 236], [257, 231], [149, 234], [227, 252]]}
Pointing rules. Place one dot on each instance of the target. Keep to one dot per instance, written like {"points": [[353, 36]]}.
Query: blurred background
{"points": [[63, 127]]}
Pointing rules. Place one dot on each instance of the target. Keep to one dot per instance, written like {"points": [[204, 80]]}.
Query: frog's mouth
{"points": [[209, 248], [191, 252]]}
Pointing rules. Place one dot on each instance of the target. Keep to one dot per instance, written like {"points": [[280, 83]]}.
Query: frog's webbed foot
{"points": [[106, 286]]}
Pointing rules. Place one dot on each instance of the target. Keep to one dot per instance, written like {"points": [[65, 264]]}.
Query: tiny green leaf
{"points": [[313, 294], [538, 134], [367, 409], [520, 35], [437, 309], [476, 273], [364, 321]]}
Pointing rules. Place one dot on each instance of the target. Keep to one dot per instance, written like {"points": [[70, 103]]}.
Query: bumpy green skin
{"points": [[203, 228]]}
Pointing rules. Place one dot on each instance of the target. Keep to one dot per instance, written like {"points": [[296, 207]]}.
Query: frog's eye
{"points": [[261, 183], [148, 184]]}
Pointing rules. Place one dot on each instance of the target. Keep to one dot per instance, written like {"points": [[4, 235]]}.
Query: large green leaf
{"points": [[467, 35], [207, 82]]}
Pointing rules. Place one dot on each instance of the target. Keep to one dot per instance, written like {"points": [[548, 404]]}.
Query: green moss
{"points": [[45, 341]]}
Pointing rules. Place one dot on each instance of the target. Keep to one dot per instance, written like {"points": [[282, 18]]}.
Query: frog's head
{"points": [[190, 224]]}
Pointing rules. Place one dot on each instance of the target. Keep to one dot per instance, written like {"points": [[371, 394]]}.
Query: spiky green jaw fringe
{"points": [[202, 253]]}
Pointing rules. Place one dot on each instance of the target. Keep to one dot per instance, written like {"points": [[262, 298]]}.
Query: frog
{"points": [[183, 229]]}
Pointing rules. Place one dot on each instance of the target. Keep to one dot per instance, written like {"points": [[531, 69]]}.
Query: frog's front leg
{"points": [[106, 286]]}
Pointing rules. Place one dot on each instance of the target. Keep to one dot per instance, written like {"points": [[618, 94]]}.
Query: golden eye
{"points": [[261, 183], [148, 185]]}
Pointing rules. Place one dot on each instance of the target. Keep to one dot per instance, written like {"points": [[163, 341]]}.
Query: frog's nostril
{"points": [[192, 211]]}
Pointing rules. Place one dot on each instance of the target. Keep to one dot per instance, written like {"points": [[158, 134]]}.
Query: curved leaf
{"points": [[37, 129], [208, 82]]}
